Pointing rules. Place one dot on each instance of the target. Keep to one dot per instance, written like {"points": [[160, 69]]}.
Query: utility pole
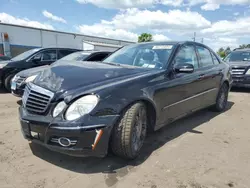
{"points": [[202, 39], [194, 36]]}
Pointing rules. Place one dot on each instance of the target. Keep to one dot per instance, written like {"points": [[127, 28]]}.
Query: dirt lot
{"points": [[205, 150]]}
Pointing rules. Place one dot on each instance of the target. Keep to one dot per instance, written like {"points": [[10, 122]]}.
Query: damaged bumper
{"points": [[76, 139]]}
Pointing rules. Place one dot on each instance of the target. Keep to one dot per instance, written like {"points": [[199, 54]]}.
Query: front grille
{"points": [[20, 80], [238, 79], [238, 70], [36, 99]]}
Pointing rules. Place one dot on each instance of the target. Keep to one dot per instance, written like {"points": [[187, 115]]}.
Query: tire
{"points": [[222, 99], [7, 82], [129, 133]]}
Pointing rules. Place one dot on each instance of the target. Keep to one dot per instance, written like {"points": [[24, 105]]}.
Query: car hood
{"points": [[32, 71], [72, 75], [239, 63]]}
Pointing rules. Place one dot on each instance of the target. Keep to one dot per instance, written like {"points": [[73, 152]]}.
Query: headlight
{"points": [[31, 78], [248, 72], [59, 108], [81, 106]]}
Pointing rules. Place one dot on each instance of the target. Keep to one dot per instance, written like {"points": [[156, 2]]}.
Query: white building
{"points": [[16, 39]]}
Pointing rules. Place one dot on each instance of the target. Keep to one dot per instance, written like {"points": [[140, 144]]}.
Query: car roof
{"points": [[169, 43], [58, 48], [242, 49], [92, 51]]}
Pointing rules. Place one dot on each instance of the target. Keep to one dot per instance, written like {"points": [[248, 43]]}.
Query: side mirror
{"points": [[184, 68]]}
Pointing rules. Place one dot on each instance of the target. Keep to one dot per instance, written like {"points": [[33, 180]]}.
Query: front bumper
{"points": [[241, 81], [84, 136]]}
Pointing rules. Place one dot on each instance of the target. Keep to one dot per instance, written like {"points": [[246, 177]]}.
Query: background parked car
{"points": [[239, 61], [29, 59], [83, 109], [19, 81]]}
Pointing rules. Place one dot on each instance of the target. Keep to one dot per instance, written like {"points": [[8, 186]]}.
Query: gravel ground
{"points": [[204, 150]]}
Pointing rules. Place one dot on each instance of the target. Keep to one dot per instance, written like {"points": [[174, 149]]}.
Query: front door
{"points": [[182, 90]]}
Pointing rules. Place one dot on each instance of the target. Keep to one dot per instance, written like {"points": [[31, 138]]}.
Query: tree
{"points": [[227, 51], [221, 53], [145, 37], [244, 46]]}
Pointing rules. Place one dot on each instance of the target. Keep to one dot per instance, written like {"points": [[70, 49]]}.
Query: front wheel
{"points": [[222, 99], [7, 82], [129, 133]]}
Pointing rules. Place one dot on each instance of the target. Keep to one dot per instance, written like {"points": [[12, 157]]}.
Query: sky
{"points": [[218, 23]]}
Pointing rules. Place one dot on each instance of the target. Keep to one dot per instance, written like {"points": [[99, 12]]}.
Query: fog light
{"points": [[63, 141]]}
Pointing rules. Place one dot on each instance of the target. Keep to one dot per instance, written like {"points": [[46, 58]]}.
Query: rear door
{"points": [[210, 75]]}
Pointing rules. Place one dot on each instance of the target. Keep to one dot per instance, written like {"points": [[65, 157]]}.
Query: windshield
{"points": [[25, 55], [142, 55], [77, 56], [238, 56]]}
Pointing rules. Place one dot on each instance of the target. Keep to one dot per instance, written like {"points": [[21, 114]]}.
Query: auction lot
{"points": [[204, 150]]}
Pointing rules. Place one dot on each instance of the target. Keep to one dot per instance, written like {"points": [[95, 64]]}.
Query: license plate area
{"points": [[33, 131]]}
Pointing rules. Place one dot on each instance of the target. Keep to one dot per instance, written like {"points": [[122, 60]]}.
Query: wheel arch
{"points": [[150, 108]]}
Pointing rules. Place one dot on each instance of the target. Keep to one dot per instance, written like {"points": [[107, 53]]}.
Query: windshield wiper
{"points": [[110, 63]]}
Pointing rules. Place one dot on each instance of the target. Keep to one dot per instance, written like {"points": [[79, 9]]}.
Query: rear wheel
{"points": [[222, 98], [7, 82], [130, 132]]}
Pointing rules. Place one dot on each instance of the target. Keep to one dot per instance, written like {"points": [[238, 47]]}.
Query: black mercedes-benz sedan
{"points": [[82, 109]]}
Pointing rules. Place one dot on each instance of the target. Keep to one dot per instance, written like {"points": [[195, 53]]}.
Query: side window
{"points": [[49, 55], [205, 56], [216, 61], [187, 54], [62, 53]]}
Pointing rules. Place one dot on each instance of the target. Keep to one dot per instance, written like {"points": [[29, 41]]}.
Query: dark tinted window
{"points": [[98, 57], [62, 53], [48, 55], [205, 56], [216, 61], [187, 55]]}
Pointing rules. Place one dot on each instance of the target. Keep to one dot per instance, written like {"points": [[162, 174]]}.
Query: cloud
{"points": [[6, 18], [53, 17], [128, 23], [215, 4], [123, 4], [158, 20], [120, 4], [107, 31], [235, 28], [218, 42], [160, 37]]}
